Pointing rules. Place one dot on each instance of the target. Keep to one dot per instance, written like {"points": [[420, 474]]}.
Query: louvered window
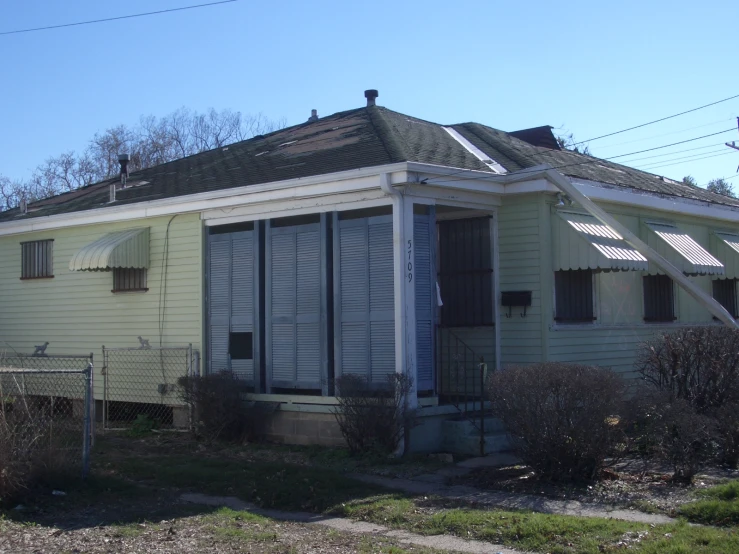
{"points": [[659, 298], [573, 292], [129, 279], [37, 259], [724, 290], [466, 272]]}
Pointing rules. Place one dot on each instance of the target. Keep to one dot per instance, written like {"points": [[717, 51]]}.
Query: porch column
{"points": [[405, 292]]}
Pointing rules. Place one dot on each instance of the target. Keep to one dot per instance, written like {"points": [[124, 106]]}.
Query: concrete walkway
{"points": [[435, 484], [440, 542]]}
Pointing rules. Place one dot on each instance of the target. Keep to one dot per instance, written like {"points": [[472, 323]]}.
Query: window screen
{"points": [[724, 290], [659, 298], [37, 260], [466, 272], [573, 293], [129, 279]]}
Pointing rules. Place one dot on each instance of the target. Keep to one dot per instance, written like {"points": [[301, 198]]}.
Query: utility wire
{"points": [[591, 160], [114, 18], [666, 134], [714, 145], [678, 161], [657, 120]]}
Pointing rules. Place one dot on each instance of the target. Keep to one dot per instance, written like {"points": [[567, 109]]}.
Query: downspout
{"points": [[399, 207], [563, 184]]}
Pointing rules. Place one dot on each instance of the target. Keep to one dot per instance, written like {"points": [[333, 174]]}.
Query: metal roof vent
{"points": [[313, 116], [371, 95], [24, 204], [123, 159]]}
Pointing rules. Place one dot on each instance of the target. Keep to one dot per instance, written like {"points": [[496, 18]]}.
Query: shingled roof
{"points": [[363, 137]]}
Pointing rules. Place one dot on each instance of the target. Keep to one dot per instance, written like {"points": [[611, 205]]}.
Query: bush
{"points": [[372, 417], [562, 419], [27, 447], [693, 375], [220, 412]]}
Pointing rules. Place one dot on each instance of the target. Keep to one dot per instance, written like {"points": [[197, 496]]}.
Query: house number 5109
{"points": [[410, 260]]}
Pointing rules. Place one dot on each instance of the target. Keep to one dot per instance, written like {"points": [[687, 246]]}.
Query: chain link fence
{"points": [[46, 414], [140, 387]]}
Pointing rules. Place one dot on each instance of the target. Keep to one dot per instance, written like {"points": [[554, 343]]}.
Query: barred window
{"points": [[573, 293], [37, 259], [724, 291], [129, 279], [659, 298], [466, 272]]}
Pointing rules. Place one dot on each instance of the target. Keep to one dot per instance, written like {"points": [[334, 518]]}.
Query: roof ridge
{"points": [[387, 135]]}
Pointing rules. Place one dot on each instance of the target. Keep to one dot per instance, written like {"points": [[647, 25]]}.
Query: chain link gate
{"points": [[141, 387], [47, 410]]}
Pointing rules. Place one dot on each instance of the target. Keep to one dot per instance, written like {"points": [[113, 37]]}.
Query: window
{"points": [[573, 293], [724, 290], [240, 346], [466, 272], [37, 259], [129, 279], [659, 298]]}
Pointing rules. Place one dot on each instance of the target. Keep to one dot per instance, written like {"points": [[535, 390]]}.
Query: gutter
{"points": [[564, 185]]}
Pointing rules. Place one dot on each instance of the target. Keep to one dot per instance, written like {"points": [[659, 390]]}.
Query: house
{"points": [[370, 242]]}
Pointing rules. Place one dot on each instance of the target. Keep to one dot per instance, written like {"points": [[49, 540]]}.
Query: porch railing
{"points": [[462, 377]]}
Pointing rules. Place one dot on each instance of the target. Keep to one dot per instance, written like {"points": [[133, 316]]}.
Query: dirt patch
{"points": [[629, 485]]}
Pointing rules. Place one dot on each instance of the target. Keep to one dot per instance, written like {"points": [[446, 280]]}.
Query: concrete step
{"points": [[461, 436], [461, 425]]}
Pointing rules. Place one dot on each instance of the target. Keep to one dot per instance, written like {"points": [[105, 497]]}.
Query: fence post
{"points": [[190, 376], [482, 406], [92, 401], [87, 425]]}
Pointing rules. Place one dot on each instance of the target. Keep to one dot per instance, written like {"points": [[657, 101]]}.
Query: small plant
{"points": [[220, 411], [373, 417], [562, 418], [142, 426]]}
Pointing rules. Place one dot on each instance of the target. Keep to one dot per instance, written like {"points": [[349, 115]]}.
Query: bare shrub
{"points": [[697, 370], [676, 434], [697, 364], [28, 449], [562, 418], [373, 417], [220, 412]]}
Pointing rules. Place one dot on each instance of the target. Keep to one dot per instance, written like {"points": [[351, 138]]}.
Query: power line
{"points": [[676, 152], [657, 120], [678, 161], [665, 134], [586, 162], [115, 18]]}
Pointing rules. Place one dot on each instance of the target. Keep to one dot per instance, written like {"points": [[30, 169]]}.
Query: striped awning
{"points": [[691, 257], [129, 248], [732, 241], [583, 242]]}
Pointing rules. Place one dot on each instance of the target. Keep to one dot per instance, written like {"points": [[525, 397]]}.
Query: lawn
{"points": [[719, 506], [132, 498]]}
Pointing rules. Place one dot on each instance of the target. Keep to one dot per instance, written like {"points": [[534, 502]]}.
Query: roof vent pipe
{"points": [[371, 95], [123, 159], [23, 204], [313, 116]]}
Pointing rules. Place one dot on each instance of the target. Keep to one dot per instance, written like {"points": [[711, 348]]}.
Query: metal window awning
{"points": [[129, 248], [725, 244], [679, 248], [583, 242]]}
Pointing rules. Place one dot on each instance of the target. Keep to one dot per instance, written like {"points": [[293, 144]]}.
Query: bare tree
{"points": [[153, 141]]}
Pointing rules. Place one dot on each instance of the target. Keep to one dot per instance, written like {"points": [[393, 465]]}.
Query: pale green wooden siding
{"points": [[76, 312], [614, 340], [520, 269]]}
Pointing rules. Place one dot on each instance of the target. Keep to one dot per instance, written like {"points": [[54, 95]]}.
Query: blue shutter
{"points": [[219, 301], [294, 352], [365, 308], [424, 275], [242, 296]]}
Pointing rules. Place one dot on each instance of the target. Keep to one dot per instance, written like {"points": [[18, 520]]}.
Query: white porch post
{"points": [[405, 292]]}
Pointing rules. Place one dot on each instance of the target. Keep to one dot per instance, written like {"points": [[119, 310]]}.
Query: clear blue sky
{"points": [[591, 67]]}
